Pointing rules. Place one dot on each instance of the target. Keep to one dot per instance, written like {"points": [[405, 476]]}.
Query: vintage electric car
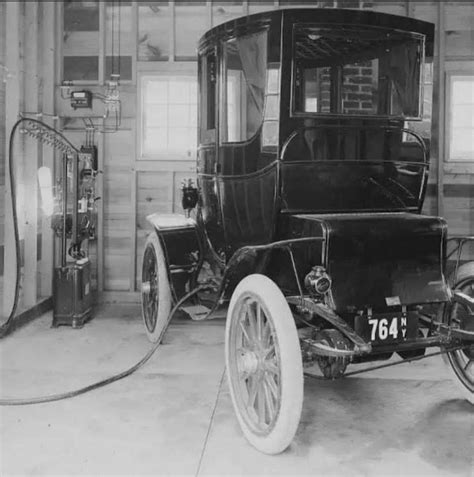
{"points": [[307, 211]]}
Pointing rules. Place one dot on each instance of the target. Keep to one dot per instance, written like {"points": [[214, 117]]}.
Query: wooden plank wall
{"points": [[3, 73], [29, 58], [133, 188]]}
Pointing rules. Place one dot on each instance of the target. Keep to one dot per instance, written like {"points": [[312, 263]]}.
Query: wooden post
{"points": [[49, 82], [209, 14], [441, 106], [133, 223], [30, 160], [173, 32], [12, 101], [102, 42], [135, 40], [100, 210]]}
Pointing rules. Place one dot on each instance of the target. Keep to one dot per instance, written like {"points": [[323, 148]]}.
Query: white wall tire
{"points": [[264, 365], [156, 297], [461, 362]]}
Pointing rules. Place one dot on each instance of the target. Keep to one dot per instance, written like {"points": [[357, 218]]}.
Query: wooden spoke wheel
{"points": [[264, 365], [456, 315], [155, 290]]}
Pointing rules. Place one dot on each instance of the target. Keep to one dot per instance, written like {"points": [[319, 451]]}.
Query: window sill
{"points": [[464, 167]]}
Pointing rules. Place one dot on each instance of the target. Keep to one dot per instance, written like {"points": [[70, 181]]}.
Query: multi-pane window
{"points": [[461, 117], [169, 116]]}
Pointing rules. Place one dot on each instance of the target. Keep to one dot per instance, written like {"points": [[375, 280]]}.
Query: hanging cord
{"points": [[112, 61], [6, 326], [110, 380], [118, 35]]}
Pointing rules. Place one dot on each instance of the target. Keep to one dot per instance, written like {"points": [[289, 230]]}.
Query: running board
{"points": [[197, 312]]}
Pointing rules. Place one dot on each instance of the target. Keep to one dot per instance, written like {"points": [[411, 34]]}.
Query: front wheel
{"points": [[264, 365], [155, 291], [456, 315]]}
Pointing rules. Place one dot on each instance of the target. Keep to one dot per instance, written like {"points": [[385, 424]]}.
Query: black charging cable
{"points": [[110, 380], [6, 326]]}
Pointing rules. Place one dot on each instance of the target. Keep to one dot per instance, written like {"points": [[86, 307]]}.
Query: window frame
{"points": [[208, 97], [453, 162], [150, 70], [223, 111], [295, 113]]}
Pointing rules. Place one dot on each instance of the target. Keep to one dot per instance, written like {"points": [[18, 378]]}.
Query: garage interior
{"points": [[102, 73]]}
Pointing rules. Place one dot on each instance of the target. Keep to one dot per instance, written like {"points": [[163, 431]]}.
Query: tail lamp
{"points": [[318, 281]]}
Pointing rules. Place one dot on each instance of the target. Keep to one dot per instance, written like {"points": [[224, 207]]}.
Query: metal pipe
{"points": [[75, 194], [64, 211]]}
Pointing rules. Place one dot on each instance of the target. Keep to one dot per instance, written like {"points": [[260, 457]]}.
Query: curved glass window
{"points": [[243, 92], [365, 71]]}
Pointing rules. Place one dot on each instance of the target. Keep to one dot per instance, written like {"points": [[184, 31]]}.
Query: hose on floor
{"points": [[110, 380]]}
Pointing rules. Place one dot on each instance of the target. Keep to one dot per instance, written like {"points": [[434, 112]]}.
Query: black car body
{"points": [[309, 176]]}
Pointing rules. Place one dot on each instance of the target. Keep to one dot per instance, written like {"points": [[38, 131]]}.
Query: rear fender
{"points": [[286, 262], [182, 247]]}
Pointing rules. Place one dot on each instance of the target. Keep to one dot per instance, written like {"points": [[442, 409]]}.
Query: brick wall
{"points": [[357, 89]]}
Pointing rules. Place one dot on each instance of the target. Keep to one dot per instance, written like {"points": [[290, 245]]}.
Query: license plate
{"points": [[386, 327]]}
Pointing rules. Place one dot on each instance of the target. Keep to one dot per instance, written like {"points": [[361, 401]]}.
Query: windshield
{"points": [[357, 71]]}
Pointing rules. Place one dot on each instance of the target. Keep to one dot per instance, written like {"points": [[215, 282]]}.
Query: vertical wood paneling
{"points": [[14, 29], [458, 27], [130, 192], [3, 76], [426, 11], [441, 105], [49, 80], [117, 210], [30, 159], [133, 215], [394, 8], [102, 42], [101, 154]]}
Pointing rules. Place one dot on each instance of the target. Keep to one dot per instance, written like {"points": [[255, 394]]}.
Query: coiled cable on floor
{"points": [[110, 380]]}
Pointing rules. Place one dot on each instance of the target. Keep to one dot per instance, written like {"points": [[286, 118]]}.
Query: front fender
{"points": [[179, 236]]}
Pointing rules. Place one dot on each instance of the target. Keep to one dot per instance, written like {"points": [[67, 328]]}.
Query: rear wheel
{"points": [[155, 292], [264, 365], [457, 316]]}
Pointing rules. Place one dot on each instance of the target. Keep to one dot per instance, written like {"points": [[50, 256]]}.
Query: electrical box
{"points": [[72, 299], [81, 99]]}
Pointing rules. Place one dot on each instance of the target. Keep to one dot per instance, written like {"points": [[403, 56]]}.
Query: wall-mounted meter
{"points": [[81, 99]]}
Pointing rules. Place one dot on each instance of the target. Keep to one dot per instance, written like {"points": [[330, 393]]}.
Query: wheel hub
{"points": [[146, 287], [248, 362]]}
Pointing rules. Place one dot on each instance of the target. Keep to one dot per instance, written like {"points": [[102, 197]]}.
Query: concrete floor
{"points": [[174, 416]]}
